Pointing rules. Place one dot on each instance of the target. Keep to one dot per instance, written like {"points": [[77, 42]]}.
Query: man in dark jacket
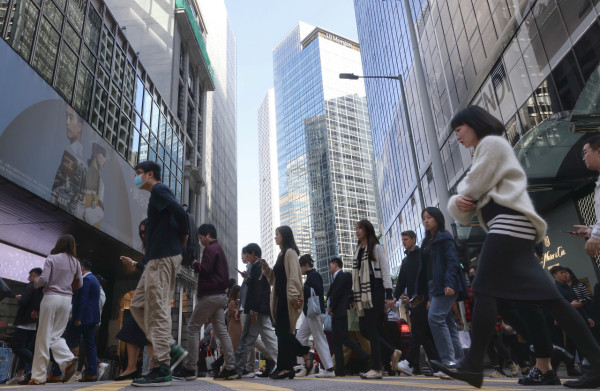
{"points": [[25, 327], [258, 315], [338, 297], [86, 316], [420, 333], [213, 276]]}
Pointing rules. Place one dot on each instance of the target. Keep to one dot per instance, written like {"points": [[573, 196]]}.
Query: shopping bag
{"points": [[209, 359], [327, 323], [313, 305], [465, 339]]}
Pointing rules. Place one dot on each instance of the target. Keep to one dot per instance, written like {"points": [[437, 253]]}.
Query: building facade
{"points": [[326, 175], [525, 61], [268, 177], [190, 49]]}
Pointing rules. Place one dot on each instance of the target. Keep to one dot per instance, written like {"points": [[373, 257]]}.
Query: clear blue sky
{"points": [[258, 26]]}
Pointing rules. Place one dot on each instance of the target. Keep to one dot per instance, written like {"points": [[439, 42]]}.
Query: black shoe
{"points": [[269, 366], [182, 373], [129, 376], [589, 380], [311, 367], [573, 371], [537, 378], [227, 374], [282, 375], [457, 372], [157, 377]]}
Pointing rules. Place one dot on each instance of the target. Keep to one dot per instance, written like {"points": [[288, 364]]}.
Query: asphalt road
{"points": [[349, 383]]}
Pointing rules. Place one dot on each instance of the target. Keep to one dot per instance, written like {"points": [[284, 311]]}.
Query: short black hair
{"points": [[37, 271], [254, 249], [409, 233], [149, 166], [306, 260], [337, 261], [85, 264], [206, 229], [481, 121], [556, 269], [244, 250], [594, 141], [231, 283]]}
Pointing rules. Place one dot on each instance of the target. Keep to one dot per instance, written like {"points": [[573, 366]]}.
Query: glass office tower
{"points": [[326, 176], [523, 60]]}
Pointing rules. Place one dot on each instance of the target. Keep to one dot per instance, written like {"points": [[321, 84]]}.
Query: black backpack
{"points": [[193, 245]]}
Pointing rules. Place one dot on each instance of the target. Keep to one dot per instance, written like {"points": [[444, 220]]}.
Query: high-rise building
{"points": [[190, 49], [268, 177], [525, 61], [326, 177], [79, 111]]}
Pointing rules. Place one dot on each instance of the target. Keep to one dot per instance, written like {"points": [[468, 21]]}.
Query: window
{"points": [[46, 49], [67, 67], [23, 27], [76, 12], [83, 93], [569, 82]]}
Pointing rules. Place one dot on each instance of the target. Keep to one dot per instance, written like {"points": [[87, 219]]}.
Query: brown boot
{"points": [[89, 378], [52, 378]]}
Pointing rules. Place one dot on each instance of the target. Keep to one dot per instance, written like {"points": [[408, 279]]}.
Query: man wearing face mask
{"points": [[166, 234]]}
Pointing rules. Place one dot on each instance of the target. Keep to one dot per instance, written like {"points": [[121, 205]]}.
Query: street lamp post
{"points": [[352, 76]]}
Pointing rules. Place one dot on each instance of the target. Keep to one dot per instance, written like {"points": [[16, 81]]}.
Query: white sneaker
{"points": [[302, 372], [442, 375], [404, 367], [514, 369], [16, 379], [101, 369], [75, 378], [325, 374], [248, 375], [372, 374]]}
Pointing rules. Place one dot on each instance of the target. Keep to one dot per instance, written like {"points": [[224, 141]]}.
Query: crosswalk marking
{"points": [[431, 383], [239, 385]]}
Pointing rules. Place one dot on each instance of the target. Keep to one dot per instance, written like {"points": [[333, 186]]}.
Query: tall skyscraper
{"points": [[326, 176], [268, 177], [524, 61], [190, 48]]}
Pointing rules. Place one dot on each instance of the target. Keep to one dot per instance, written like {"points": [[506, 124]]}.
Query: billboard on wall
{"points": [[48, 149]]}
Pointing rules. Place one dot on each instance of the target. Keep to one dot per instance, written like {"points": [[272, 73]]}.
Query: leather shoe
{"points": [[52, 378], [537, 378], [589, 380], [69, 370], [129, 376], [459, 373], [282, 375], [88, 378]]}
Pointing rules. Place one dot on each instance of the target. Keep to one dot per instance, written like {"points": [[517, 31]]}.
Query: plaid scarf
{"points": [[361, 283]]}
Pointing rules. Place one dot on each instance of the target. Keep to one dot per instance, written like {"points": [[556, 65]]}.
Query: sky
{"points": [[258, 26]]}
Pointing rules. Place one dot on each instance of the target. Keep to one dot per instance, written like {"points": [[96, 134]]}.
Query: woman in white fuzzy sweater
{"points": [[496, 191]]}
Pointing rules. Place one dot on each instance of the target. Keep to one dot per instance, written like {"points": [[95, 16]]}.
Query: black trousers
{"points": [[484, 319], [339, 338], [371, 325], [288, 347], [22, 345], [420, 335]]}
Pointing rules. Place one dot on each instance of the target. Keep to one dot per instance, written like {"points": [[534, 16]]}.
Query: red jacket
{"points": [[213, 272]]}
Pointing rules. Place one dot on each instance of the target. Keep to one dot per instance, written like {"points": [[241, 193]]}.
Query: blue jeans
{"points": [[443, 326]]}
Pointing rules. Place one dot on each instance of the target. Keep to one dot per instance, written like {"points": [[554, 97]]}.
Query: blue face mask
{"points": [[138, 181]]}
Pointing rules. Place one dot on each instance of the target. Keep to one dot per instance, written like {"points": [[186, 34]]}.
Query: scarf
{"points": [[361, 283]]}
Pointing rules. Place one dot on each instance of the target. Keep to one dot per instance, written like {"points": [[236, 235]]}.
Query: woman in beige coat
{"points": [[286, 301]]}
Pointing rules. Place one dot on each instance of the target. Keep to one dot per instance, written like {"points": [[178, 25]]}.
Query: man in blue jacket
{"points": [[86, 315]]}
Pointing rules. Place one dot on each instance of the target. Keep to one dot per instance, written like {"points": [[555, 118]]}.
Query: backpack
{"points": [[193, 244]]}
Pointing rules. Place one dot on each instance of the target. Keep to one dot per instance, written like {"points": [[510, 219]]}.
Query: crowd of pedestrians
{"points": [[513, 311]]}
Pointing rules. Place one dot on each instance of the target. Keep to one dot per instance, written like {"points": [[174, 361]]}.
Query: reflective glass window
{"points": [[519, 82], [23, 27], [87, 57], [147, 106], [53, 14], [71, 36], [76, 12], [92, 30], [554, 37], [67, 69], [83, 92], [135, 143], [46, 49], [587, 51], [536, 61], [569, 82]]}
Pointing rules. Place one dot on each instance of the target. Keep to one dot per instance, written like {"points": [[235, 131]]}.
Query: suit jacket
{"points": [[86, 307], [339, 294]]}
